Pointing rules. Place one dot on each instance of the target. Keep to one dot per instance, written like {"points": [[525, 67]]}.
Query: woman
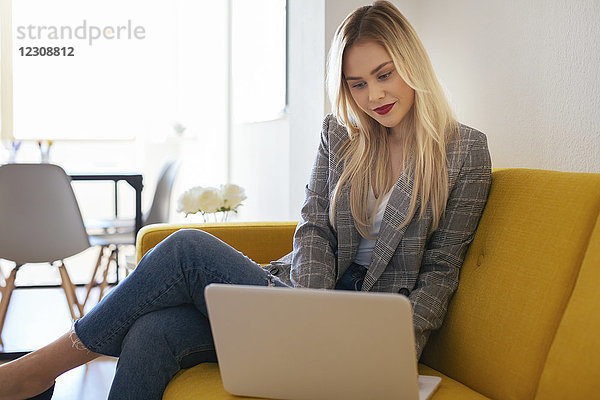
{"points": [[392, 204]]}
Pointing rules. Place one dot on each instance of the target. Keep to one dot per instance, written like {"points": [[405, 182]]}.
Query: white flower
{"points": [[200, 199], [209, 200], [187, 202], [233, 196]]}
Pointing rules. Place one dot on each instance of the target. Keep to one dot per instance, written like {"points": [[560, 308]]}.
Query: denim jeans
{"points": [[353, 278], [156, 320]]}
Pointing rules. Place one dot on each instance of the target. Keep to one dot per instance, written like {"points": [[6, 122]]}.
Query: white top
{"points": [[366, 246]]}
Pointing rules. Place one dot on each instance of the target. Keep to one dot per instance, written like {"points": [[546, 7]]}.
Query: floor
{"points": [[36, 317]]}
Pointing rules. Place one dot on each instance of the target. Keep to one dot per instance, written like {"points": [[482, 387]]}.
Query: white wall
{"points": [[260, 164], [306, 57], [524, 72]]}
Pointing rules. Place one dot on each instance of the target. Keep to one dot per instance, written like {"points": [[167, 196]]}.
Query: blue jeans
{"points": [[156, 320], [353, 278]]}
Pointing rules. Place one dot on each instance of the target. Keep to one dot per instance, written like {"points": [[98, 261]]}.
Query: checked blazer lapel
{"points": [[389, 236], [348, 236]]}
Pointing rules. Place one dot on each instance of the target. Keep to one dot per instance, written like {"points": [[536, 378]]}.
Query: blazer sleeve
{"points": [[446, 248], [315, 241]]}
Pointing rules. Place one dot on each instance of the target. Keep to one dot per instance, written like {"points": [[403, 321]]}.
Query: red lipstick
{"points": [[384, 109]]}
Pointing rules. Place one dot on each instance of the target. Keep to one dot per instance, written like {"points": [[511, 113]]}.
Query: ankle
{"points": [[76, 343]]}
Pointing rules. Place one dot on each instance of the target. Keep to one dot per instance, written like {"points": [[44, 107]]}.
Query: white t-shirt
{"points": [[366, 246]]}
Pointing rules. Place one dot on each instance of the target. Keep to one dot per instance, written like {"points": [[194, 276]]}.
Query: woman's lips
{"points": [[384, 109]]}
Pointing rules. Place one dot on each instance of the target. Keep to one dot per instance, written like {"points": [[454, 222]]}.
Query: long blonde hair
{"points": [[366, 153]]}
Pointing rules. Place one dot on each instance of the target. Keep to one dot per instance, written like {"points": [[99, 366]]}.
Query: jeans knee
{"points": [[186, 238], [143, 336], [188, 235]]}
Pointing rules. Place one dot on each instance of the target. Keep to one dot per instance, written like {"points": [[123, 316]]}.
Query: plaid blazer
{"points": [[413, 261]]}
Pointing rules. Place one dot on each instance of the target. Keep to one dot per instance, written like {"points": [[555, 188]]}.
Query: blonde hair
{"points": [[366, 154]]}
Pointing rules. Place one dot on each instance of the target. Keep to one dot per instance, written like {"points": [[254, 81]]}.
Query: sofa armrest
{"points": [[263, 242]]}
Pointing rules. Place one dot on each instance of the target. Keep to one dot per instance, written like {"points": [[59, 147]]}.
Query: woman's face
{"points": [[375, 84]]}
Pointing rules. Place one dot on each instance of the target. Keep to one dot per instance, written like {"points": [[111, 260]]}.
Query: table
{"points": [[135, 180]]}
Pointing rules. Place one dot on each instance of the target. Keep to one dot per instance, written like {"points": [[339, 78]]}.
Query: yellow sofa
{"points": [[525, 321]]}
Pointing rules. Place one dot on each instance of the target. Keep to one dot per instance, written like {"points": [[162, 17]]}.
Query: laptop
{"points": [[308, 344]]}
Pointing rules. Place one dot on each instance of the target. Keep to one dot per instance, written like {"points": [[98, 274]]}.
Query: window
{"points": [[137, 67], [124, 79], [5, 72]]}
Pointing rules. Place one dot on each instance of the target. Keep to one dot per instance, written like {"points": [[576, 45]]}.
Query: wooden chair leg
{"points": [[93, 283], [104, 283], [69, 289], [6, 295]]}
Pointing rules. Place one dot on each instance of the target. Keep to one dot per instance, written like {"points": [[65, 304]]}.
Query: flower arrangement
{"points": [[210, 200]]}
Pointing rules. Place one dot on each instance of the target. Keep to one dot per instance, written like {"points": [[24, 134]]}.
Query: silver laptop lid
{"points": [[299, 344]]}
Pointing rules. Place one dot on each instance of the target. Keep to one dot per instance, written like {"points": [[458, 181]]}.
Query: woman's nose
{"points": [[376, 92]]}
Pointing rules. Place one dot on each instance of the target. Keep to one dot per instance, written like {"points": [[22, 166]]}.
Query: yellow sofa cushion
{"points": [[450, 389], [204, 382], [572, 370], [200, 382], [516, 281]]}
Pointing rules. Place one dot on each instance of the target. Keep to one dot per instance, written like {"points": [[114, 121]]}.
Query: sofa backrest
{"points": [[572, 370], [516, 281], [262, 242]]}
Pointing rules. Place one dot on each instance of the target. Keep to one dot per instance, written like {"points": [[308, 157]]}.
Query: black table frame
{"points": [[135, 180]]}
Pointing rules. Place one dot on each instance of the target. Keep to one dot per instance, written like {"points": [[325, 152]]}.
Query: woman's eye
{"points": [[358, 85], [385, 76]]}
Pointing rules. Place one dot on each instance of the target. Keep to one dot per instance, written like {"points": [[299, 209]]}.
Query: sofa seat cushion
{"points": [[450, 389], [203, 382]]}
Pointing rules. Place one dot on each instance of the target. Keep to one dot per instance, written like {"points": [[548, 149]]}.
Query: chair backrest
{"points": [[159, 210], [40, 220]]}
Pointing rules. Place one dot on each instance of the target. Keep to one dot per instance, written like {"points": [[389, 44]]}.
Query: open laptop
{"points": [[306, 344]]}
